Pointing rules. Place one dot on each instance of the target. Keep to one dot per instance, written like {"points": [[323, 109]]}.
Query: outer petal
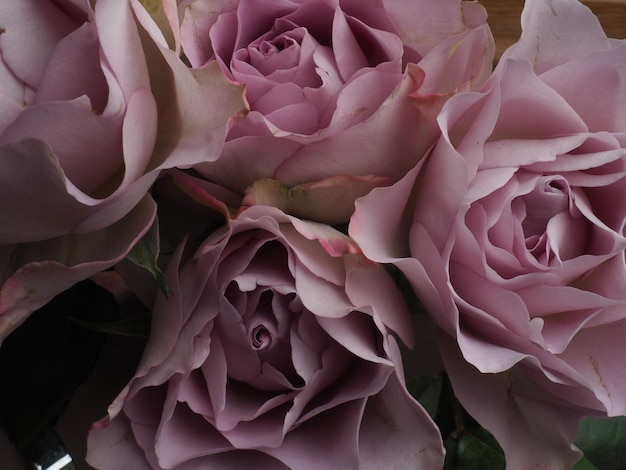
{"points": [[53, 266], [397, 433], [391, 136], [338, 441], [458, 63], [607, 71], [107, 450], [70, 127], [31, 30], [593, 353], [375, 287], [117, 31], [188, 134], [421, 25], [534, 428], [44, 208], [555, 32]]}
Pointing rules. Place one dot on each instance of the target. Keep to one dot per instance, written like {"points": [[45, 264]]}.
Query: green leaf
{"points": [[478, 450], [584, 464], [427, 390], [603, 441], [146, 253], [451, 444], [47, 358]]}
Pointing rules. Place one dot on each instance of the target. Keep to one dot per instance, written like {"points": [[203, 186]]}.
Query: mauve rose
{"points": [[516, 239], [333, 88], [274, 351], [93, 104]]}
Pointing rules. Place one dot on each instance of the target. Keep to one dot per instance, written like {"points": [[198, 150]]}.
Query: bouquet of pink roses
{"points": [[310, 234]]}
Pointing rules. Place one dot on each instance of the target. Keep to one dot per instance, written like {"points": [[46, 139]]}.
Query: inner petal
{"points": [[553, 227], [261, 338], [550, 197]]}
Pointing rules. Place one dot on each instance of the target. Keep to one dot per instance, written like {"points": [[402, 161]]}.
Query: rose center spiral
{"points": [[260, 338]]}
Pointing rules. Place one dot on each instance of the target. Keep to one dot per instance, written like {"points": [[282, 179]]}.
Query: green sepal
{"points": [[584, 464], [146, 253], [474, 449]]}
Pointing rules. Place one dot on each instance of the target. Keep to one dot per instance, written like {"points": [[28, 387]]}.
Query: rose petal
{"points": [[117, 31], [54, 266], [344, 154], [397, 433], [422, 25], [557, 32], [513, 408], [44, 209], [71, 129], [599, 112], [592, 353], [76, 54], [30, 32], [338, 438], [107, 450]]}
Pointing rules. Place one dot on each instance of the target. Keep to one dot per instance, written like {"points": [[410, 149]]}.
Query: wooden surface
{"points": [[504, 19]]}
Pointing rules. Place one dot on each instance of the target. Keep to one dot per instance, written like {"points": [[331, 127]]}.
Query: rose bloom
{"points": [[275, 351], [91, 104], [333, 88], [515, 239]]}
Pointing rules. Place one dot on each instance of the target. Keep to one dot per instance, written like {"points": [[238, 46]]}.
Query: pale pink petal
{"points": [[458, 63], [76, 55], [239, 166], [344, 154], [600, 111], [139, 132], [30, 32], [375, 287], [195, 25], [121, 46], [72, 130], [534, 428], [424, 24], [396, 432], [107, 450], [592, 352], [555, 32]]}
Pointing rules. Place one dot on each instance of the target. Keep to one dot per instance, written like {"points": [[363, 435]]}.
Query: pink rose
{"points": [[85, 128], [275, 351], [516, 243], [333, 88]]}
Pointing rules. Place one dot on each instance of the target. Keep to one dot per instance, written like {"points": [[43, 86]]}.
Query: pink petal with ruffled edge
{"points": [[424, 24], [555, 32]]}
